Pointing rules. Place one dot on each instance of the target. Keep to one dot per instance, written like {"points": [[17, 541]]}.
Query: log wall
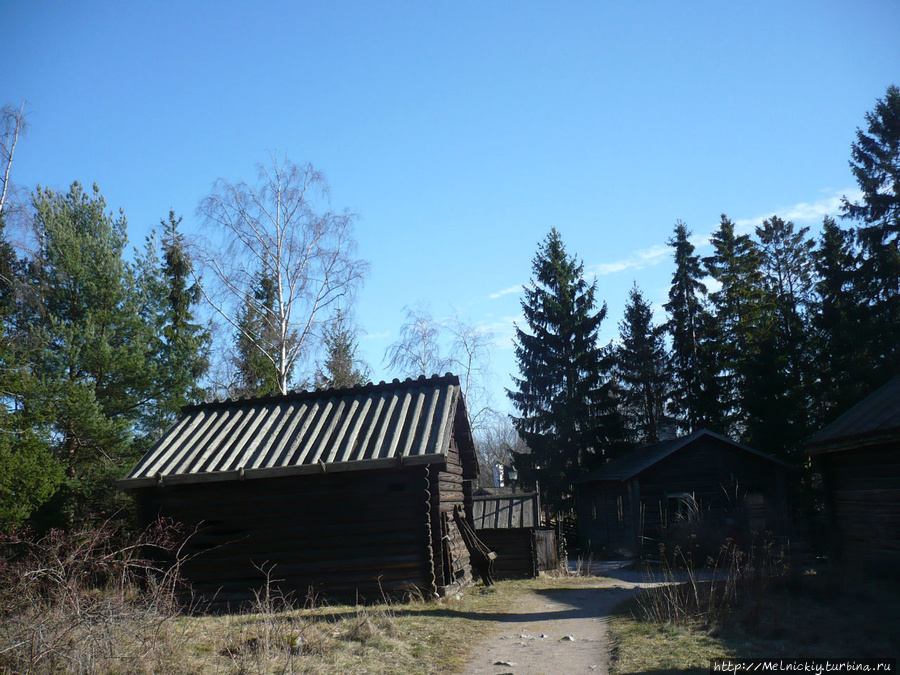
{"points": [[344, 535], [451, 488], [720, 477], [515, 552], [862, 488]]}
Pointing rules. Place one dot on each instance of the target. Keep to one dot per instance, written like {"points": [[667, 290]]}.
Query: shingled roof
{"points": [[630, 465], [366, 427], [875, 419]]}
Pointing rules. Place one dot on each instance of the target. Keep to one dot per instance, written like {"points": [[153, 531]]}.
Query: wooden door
{"points": [[545, 549]]}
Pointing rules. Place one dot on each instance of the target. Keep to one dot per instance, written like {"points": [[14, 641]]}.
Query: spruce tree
{"points": [[694, 402], [256, 340], [642, 371], [778, 398], [741, 316], [187, 342], [342, 367], [876, 167], [567, 413], [841, 358], [179, 344]]}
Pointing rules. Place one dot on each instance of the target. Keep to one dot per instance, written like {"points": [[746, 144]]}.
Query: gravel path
{"points": [[553, 632]]}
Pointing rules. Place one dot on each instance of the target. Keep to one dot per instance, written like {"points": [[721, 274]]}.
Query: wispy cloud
{"points": [[502, 329], [803, 212], [641, 259], [505, 291], [699, 240], [377, 336]]}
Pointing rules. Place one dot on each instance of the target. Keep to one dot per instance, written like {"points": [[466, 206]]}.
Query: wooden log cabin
{"points": [[654, 494], [858, 456], [348, 492]]}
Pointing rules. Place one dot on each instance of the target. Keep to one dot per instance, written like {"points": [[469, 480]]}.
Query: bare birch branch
{"points": [[274, 230], [12, 124]]}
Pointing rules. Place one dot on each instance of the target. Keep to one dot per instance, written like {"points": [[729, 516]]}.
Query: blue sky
{"points": [[460, 133]]}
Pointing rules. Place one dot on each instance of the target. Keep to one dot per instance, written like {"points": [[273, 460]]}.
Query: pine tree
{"points": [[694, 402], [342, 367], [642, 371], [876, 167], [30, 474], [564, 395], [92, 367]]}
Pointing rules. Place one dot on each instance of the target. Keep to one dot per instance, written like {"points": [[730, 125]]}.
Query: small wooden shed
{"points": [[509, 523], [348, 492], [642, 499], [858, 456]]}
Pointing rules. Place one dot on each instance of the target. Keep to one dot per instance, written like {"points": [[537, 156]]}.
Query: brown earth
{"points": [[553, 631]]}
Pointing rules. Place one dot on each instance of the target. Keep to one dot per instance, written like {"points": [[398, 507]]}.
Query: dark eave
{"points": [[874, 420]]}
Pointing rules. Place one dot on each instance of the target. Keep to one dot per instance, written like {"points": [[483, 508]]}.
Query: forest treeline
{"points": [[767, 338]]}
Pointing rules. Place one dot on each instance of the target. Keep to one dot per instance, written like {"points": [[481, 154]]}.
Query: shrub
{"points": [[688, 592], [87, 601]]}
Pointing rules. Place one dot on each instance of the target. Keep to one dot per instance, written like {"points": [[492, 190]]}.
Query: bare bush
{"points": [[688, 592], [88, 601]]}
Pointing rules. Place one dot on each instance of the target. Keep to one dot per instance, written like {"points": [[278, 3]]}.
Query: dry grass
{"points": [[707, 596], [643, 646], [414, 636], [804, 615], [85, 603]]}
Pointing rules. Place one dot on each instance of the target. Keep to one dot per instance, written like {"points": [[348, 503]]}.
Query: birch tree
{"points": [[470, 358], [276, 230], [417, 350], [12, 125]]}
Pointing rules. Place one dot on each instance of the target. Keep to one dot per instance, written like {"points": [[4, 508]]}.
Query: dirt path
{"points": [[554, 631]]}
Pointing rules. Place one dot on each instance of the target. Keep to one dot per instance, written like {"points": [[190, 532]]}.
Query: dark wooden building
{"points": [[345, 492], [859, 458], [510, 525], [648, 496]]}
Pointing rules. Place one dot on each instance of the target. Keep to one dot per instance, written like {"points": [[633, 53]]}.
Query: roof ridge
{"points": [[875, 414], [636, 460], [310, 394]]}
